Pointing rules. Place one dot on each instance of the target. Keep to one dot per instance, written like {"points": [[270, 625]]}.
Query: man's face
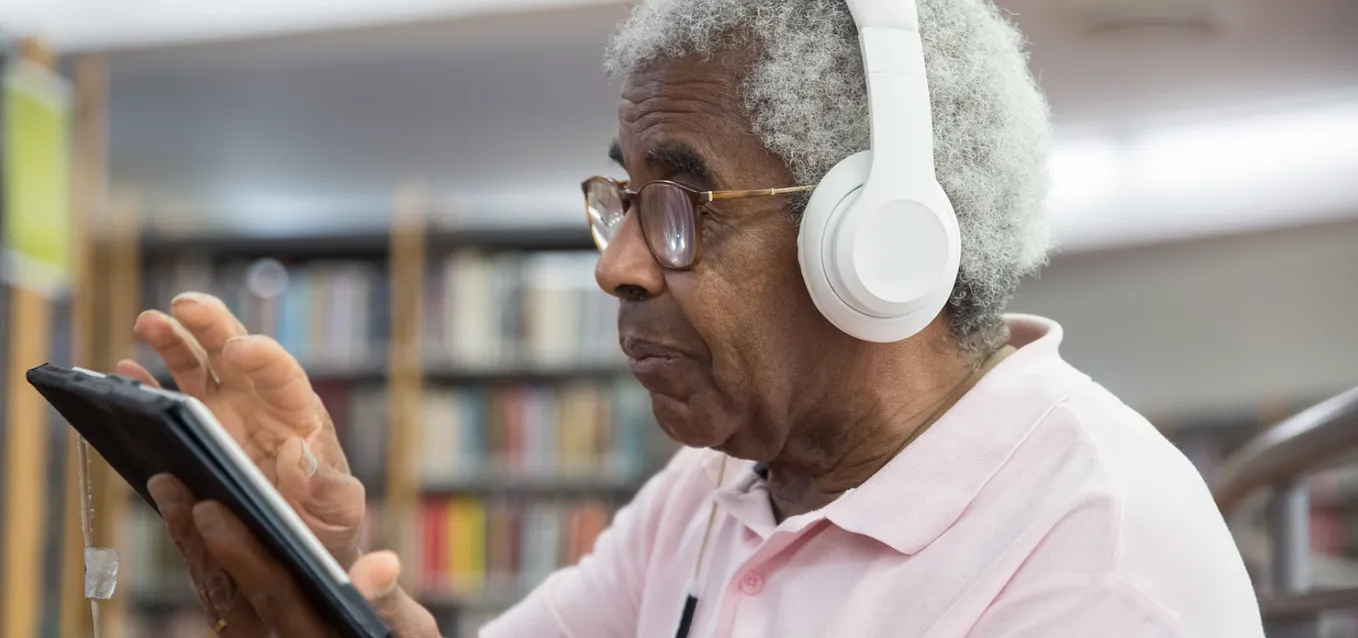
{"points": [[732, 351]]}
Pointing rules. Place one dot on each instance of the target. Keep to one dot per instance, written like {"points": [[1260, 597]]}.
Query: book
{"points": [[482, 311], [488, 552]]}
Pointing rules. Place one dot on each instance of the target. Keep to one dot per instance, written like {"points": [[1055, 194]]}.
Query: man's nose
{"points": [[627, 269]]}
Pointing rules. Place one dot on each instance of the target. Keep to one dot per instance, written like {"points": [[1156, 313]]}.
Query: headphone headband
{"points": [[893, 14], [902, 130], [893, 61], [879, 246]]}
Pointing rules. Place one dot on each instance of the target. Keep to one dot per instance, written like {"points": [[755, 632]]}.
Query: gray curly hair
{"points": [[807, 100]]}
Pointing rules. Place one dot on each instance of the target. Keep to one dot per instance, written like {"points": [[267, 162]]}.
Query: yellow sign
{"points": [[36, 243]]}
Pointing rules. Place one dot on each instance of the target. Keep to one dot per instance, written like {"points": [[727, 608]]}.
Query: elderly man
{"points": [[963, 481]]}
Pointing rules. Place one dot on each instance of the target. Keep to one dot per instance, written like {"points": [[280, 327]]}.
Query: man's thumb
{"points": [[377, 576]]}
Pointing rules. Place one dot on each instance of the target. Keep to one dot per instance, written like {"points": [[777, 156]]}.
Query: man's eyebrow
{"points": [[674, 158], [615, 154]]}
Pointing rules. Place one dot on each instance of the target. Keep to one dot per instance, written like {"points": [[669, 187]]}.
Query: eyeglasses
{"points": [[668, 214]]}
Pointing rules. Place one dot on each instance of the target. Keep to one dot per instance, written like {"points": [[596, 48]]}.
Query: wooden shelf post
{"points": [[88, 198], [406, 377], [39, 211], [111, 495], [30, 333]]}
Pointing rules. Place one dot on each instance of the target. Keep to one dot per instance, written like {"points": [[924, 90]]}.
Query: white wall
{"points": [[1213, 325]]}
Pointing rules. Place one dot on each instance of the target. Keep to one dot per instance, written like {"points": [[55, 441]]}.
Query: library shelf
{"points": [[455, 375], [366, 244], [543, 484], [491, 601]]}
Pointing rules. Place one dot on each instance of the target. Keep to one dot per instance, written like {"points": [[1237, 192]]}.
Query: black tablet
{"points": [[143, 431]]}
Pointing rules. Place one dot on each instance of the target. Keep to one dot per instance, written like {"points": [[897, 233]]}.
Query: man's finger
{"points": [[375, 576], [218, 595], [136, 372], [270, 589], [212, 325], [278, 379], [182, 354], [330, 501]]}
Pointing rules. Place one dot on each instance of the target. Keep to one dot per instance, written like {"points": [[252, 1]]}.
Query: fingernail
{"points": [[386, 590], [309, 463], [144, 315], [189, 296]]}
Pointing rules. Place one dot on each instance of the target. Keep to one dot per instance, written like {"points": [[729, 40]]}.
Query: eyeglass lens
{"points": [[667, 219], [603, 202]]}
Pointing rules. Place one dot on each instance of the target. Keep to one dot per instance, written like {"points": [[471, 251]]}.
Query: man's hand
{"points": [[247, 594], [263, 397]]}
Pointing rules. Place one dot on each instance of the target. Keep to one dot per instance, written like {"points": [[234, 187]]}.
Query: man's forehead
{"points": [[684, 85], [678, 98], [681, 115], [679, 77]]}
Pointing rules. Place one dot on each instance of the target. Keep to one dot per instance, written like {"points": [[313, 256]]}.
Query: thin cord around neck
{"points": [[711, 518]]}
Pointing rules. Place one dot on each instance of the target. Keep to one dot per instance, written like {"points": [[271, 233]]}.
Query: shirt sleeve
{"points": [[601, 595], [1106, 606]]}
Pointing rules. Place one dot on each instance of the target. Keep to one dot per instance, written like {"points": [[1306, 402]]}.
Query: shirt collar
{"points": [[919, 494]]}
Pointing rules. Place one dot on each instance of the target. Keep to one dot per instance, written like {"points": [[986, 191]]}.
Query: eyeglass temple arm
{"points": [[712, 196]]}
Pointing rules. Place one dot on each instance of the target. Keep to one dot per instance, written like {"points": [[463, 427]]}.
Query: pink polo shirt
{"points": [[1039, 505]]}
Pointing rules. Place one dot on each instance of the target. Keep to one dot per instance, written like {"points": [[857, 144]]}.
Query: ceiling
{"points": [[503, 114], [84, 25], [1256, 52], [489, 109]]}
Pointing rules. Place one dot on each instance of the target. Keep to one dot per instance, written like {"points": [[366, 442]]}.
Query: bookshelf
{"points": [[369, 244], [40, 248], [475, 382]]}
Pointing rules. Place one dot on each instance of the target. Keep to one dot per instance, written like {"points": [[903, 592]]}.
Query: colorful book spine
{"points": [[489, 552]]}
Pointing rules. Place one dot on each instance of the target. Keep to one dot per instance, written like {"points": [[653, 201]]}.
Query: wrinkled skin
{"points": [[734, 354]]}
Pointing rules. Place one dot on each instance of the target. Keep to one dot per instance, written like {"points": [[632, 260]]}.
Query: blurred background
{"points": [[391, 189]]}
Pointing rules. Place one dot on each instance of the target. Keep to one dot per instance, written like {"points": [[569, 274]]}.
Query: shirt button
{"points": [[752, 583]]}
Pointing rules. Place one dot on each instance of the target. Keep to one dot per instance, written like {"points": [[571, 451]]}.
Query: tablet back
{"points": [[143, 432], [122, 422]]}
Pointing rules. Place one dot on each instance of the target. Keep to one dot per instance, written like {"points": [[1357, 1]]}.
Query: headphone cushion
{"points": [[877, 249], [833, 195]]}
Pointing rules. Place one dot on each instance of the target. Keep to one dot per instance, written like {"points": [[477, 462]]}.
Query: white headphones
{"points": [[879, 245]]}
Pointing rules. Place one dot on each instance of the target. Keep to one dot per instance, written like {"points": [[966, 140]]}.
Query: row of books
{"points": [[334, 313], [539, 309], [1333, 492], [472, 557], [482, 311], [497, 550], [1334, 511], [480, 434]]}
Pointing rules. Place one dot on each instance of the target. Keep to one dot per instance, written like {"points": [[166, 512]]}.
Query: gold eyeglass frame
{"points": [[697, 198]]}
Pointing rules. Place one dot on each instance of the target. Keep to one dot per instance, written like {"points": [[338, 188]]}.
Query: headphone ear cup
{"points": [[923, 274], [832, 199]]}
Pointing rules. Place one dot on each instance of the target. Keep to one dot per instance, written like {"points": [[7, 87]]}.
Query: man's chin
{"points": [[685, 425]]}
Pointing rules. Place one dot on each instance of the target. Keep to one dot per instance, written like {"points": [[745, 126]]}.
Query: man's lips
{"points": [[637, 348], [650, 362]]}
